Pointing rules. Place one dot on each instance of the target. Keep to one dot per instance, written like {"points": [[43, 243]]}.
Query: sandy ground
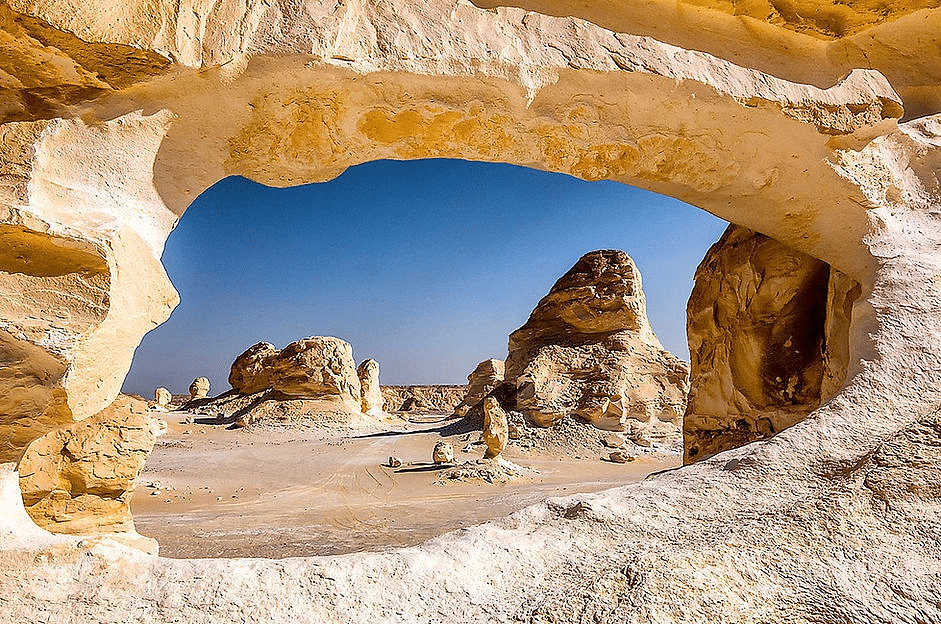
{"points": [[209, 491]]}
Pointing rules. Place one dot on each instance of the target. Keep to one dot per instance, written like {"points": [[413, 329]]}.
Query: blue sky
{"points": [[426, 266]]}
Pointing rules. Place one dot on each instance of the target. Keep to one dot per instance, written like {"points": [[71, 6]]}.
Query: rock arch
{"points": [[104, 148]]}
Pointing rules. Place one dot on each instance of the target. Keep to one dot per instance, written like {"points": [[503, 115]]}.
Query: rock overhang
{"points": [[779, 143]]}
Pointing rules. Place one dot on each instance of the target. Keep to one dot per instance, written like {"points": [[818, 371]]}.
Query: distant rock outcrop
{"points": [[442, 453], [588, 350], [422, 398], [162, 397], [487, 376], [318, 367], [496, 429], [311, 379]]}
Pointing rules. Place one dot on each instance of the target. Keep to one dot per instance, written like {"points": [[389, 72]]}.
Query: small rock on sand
{"points": [[620, 457], [443, 453]]}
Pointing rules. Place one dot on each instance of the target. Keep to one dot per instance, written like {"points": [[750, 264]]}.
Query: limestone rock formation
{"points": [[817, 124], [442, 453], [79, 478], [768, 332], [441, 398], [481, 382], [318, 367], [588, 350], [496, 429], [199, 389], [162, 397], [368, 373], [251, 371]]}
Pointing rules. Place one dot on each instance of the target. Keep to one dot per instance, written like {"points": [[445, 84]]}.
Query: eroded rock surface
{"points": [[318, 367], [368, 373], [199, 389], [80, 478], [481, 382], [496, 429], [162, 397], [442, 398], [251, 370], [782, 119], [768, 332], [442, 453], [587, 350]]}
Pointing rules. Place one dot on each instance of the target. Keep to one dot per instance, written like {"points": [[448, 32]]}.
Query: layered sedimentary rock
{"points": [[251, 370], [780, 118], [372, 401], [768, 331], [79, 478], [588, 350], [318, 367], [481, 382], [442, 398], [315, 375]]}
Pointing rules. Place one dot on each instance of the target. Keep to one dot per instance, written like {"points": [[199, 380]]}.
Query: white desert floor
{"points": [[209, 491]]}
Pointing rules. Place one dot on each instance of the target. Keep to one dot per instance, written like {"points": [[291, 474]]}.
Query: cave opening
{"points": [[426, 266]]}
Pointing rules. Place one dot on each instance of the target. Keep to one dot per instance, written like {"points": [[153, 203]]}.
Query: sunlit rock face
{"points": [[768, 340], [481, 382], [251, 370], [79, 478], [318, 367], [783, 118], [105, 162], [588, 350], [368, 373]]}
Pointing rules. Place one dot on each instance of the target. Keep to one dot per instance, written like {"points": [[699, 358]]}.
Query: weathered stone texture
{"points": [[588, 350], [768, 331], [251, 370], [487, 376], [368, 373], [496, 430], [318, 367], [199, 389], [780, 117], [80, 478], [162, 397]]}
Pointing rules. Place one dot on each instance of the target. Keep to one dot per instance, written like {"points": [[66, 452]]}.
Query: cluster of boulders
{"points": [[319, 367], [588, 351]]}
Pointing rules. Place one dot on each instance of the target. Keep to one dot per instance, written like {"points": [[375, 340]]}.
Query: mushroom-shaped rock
{"points": [[496, 430], [162, 397], [588, 350], [318, 367], [443, 453], [251, 371], [368, 373], [481, 382], [199, 389]]}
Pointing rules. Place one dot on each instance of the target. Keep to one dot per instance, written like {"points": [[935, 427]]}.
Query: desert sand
{"points": [[277, 492]]}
